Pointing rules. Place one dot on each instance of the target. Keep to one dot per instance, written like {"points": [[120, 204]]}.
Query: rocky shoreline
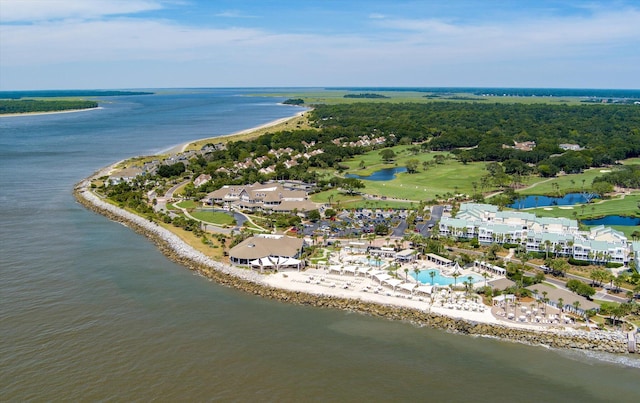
{"points": [[252, 282]]}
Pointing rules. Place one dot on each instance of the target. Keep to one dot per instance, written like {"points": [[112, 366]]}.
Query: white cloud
{"points": [[45, 10], [234, 14], [399, 52], [502, 37], [377, 16]]}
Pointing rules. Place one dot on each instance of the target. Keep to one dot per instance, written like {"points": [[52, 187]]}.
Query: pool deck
{"points": [[330, 281]]}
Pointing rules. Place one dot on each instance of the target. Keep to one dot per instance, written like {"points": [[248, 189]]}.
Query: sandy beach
{"points": [[226, 137], [12, 115]]}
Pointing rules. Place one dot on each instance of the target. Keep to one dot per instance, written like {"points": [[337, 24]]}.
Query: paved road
{"points": [[436, 215]]}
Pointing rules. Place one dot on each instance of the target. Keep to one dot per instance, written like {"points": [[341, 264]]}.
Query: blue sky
{"points": [[60, 44]]}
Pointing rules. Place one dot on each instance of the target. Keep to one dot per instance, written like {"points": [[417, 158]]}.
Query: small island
{"points": [[32, 105], [22, 102]]}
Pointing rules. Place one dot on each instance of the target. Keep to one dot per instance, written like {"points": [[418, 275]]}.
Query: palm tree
{"points": [[417, 272], [406, 273], [455, 278], [547, 247], [432, 274], [485, 275], [576, 305], [561, 304]]}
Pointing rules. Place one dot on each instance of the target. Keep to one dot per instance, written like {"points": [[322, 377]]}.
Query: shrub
{"points": [[576, 262], [510, 245]]}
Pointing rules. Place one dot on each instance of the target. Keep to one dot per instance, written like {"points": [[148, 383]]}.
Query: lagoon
{"points": [[533, 201], [386, 174], [613, 220]]}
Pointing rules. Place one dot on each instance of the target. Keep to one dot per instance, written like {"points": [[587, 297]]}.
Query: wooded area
{"points": [[603, 134], [32, 105]]}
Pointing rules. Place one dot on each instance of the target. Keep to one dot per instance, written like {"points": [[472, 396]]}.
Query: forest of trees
{"points": [[67, 93], [478, 131], [31, 105], [471, 131]]}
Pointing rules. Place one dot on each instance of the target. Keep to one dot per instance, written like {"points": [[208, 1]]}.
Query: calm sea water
{"points": [[90, 310]]}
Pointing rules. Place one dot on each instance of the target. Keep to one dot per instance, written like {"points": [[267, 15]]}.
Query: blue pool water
{"points": [[613, 220], [441, 279], [569, 199], [386, 174], [373, 262]]}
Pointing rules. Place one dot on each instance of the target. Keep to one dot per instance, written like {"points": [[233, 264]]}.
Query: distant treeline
{"points": [[31, 105], [66, 94], [365, 95], [294, 101], [480, 131], [521, 92]]}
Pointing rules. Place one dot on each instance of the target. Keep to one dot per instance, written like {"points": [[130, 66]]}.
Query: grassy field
{"points": [[214, 217], [566, 183], [214, 251], [438, 179], [337, 97], [187, 204], [342, 200]]}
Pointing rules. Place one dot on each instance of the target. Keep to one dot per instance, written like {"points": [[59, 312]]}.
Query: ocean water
{"points": [[89, 310]]}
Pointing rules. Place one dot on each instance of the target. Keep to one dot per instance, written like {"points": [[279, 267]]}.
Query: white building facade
{"points": [[555, 236]]}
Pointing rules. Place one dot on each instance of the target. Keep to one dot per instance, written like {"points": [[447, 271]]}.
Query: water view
{"points": [[613, 220], [92, 311], [535, 201], [386, 174]]}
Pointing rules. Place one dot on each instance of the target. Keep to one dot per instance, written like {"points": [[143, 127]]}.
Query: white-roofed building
{"points": [[557, 236]]}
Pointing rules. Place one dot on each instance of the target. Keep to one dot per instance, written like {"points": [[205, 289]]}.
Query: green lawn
{"points": [[188, 204], [438, 179], [566, 183], [214, 217]]}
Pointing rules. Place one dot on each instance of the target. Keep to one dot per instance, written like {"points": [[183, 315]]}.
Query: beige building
{"points": [[259, 197], [268, 251]]}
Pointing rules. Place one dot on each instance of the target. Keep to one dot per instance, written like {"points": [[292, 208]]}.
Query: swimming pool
{"points": [[373, 263], [441, 279]]}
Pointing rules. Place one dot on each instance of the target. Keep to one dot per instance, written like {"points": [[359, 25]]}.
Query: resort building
{"points": [[271, 197], [555, 236], [268, 251]]}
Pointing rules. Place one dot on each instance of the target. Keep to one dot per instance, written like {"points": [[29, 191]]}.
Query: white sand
{"points": [[12, 115], [183, 147]]}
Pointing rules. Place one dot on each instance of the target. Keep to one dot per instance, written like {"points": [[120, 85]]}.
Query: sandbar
{"points": [[12, 115]]}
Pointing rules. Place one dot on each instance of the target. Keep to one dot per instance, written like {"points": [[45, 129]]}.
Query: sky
{"points": [[90, 44]]}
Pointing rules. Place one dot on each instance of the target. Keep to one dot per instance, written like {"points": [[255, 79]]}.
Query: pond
{"points": [[386, 174], [613, 220], [542, 201]]}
